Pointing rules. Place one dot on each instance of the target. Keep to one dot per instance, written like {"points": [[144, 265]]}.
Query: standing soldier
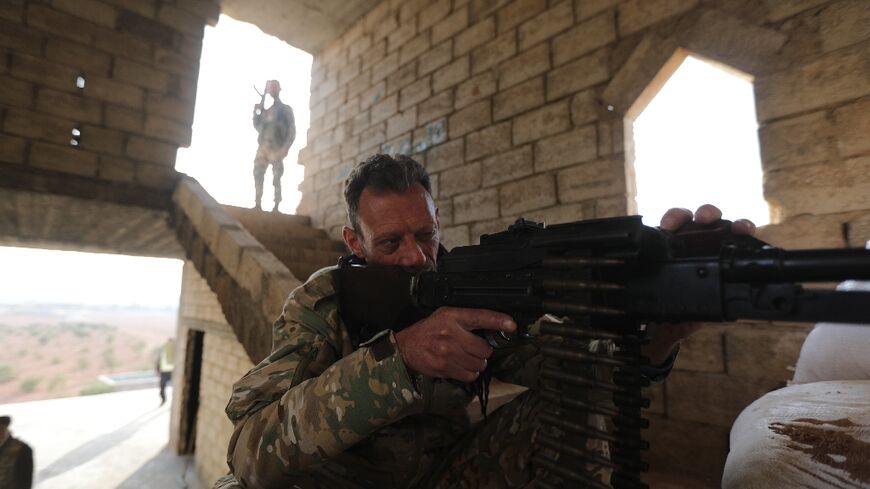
{"points": [[16, 459], [277, 128]]}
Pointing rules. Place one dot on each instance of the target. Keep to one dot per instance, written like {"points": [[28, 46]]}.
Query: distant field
{"points": [[58, 351]]}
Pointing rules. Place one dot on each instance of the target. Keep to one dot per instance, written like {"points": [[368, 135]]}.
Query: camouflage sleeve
{"points": [[306, 403]]}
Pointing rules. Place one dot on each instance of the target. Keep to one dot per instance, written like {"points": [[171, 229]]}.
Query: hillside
{"points": [[51, 351]]}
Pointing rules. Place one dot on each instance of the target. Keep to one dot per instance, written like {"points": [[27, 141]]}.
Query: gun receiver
{"points": [[610, 278]]}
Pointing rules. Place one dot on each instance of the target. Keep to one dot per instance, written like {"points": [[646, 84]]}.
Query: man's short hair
{"points": [[5, 420], [381, 173]]}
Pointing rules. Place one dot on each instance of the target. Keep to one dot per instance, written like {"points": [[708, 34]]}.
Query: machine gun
{"points": [[610, 279]]}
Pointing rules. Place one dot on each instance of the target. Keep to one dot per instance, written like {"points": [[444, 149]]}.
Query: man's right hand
{"points": [[442, 345]]}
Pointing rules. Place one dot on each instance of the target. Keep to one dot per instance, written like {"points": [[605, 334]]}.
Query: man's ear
{"points": [[352, 241]]}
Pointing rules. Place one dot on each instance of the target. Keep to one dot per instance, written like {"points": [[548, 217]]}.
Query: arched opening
{"points": [[692, 138]]}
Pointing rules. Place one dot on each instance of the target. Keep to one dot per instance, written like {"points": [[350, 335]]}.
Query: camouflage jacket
{"points": [[317, 407], [276, 126]]}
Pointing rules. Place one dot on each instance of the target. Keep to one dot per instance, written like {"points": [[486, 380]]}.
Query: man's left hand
{"points": [[668, 336]]}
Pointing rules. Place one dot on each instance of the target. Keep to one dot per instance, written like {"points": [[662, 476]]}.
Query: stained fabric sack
{"points": [[835, 351], [813, 435]]}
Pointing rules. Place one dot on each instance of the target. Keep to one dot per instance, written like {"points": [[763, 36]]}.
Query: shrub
{"points": [[7, 373], [97, 388], [29, 384]]}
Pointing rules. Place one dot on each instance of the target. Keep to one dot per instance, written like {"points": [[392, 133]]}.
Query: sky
{"points": [[697, 103]]}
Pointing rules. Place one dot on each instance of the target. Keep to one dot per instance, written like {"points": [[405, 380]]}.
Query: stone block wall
{"points": [[117, 76], [224, 361], [520, 108]]}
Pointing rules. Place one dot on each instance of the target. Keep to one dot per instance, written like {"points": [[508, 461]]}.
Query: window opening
{"points": [[696, 142], [80, 82]]}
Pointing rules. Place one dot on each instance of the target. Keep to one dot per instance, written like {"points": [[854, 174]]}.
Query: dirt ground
{"points": [[59, 351]]}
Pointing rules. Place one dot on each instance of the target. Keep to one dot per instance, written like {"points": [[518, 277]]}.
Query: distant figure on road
{"points": [[277, 128], [165, 364], [16, 459]]}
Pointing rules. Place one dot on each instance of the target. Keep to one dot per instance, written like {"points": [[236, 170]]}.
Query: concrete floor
{"points": [[107, 441]]}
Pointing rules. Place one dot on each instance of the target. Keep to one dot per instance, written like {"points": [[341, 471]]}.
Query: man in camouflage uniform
{"points": [[277, 130], [16, 459], [322, 412]]}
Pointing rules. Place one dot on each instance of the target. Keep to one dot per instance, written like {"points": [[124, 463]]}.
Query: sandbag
{"points": [[803, 436], [836, 351]]}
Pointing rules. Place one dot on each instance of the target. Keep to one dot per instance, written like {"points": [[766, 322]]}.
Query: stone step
{"points": [[255, 217], [322, 244], [317, 258]]}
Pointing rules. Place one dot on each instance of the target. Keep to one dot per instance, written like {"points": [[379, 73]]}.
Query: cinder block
{"points": [[584, 38], [124, 118], [454, 23], [12, 149], [374, 136], [600, 178], [519, 99], [16, 93], [397, 37], [508, 166], [78, 56], [584, 107], [560, 213], [434, 107], [566, 149], [471, 118], [405, 75], [447, 155], [101, 140], [769, 351], [635, 15], [167, 130], [474, 36], [575, 76], [141, 75], [527, 64], [546, 25], [376, 53], [349, 71], [547, 120], [68, 105], [476, 206], [583, 9], [19, 38], [180, 20], [384, 109], [122, 44], [45, 73], [414, 47], [835, 78], [475, 88], [146, 149], [516, 12], [64, 159], [843, 24], [461, 179], [117, 169], [454, 236], [170, 107], [33, 125], [89, 10], [852, 127], [820, 189], [109, 90], [487, 141], [432, 14], [451, 74], [49, 20], [797, 141], [435, 58], [402, 122], [415, 93], [528, 194], [494, 52]]}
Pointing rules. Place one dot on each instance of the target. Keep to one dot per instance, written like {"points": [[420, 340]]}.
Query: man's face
{"points": [[396, 229]]}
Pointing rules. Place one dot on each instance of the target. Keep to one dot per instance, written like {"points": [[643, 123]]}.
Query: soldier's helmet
{"points": [[5, 420]]}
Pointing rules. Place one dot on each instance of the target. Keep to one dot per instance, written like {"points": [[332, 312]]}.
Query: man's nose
{"points": [[412, 255]]}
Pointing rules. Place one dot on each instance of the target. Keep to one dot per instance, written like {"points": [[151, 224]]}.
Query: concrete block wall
{"points": [[519, 108], [224, 361], [139, 61]]}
